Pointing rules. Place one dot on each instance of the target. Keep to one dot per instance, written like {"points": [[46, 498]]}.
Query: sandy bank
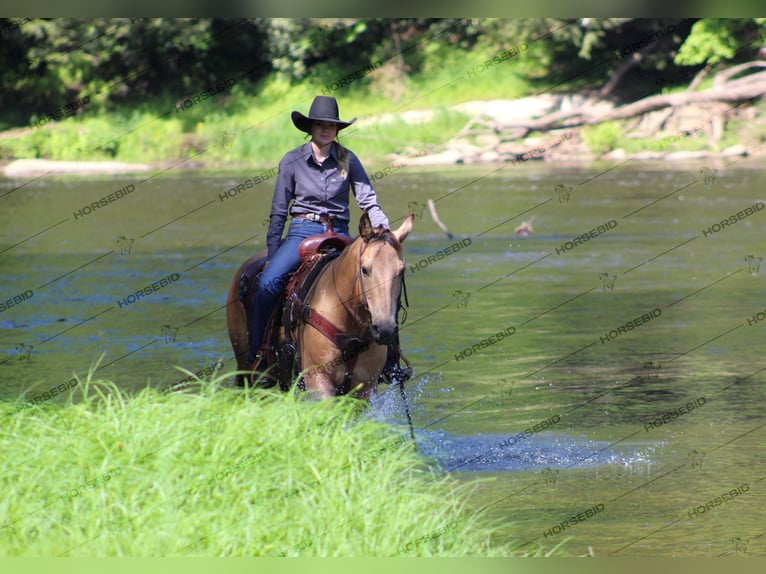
{"points": [[36, 167]]}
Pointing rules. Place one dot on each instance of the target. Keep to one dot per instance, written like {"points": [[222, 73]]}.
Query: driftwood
{"points": [[522, 230], [723, 77], [724, 90], [498, 137], [435, 217], [734, 91]]}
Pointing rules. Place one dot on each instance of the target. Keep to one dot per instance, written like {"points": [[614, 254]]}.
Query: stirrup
{"points": [[256, 365], [259, 373]]}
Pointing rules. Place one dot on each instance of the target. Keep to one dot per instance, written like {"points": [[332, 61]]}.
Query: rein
{"points": [[344, 301]]}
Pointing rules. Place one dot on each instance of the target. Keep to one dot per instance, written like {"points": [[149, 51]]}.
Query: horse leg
{"points": [[236, 322], [323, 372], [367, 371], [319, 385]]}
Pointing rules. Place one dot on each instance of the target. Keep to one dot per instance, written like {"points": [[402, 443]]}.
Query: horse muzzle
{"points": [[383, 333]]}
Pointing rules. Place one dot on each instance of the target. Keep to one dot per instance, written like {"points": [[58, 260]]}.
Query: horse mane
{"points": [[388, 237]]}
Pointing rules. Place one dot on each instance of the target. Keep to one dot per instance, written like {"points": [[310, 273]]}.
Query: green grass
{"points": [[249, 126], [220, 472]]}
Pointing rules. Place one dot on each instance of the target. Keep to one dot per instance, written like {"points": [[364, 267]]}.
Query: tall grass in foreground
{"points": [[217, 472]]}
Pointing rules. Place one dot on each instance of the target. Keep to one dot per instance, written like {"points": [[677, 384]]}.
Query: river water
{"points": [[603, 376]]}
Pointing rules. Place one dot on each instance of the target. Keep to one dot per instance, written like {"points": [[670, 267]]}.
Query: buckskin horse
{"points": [[330, 333]]}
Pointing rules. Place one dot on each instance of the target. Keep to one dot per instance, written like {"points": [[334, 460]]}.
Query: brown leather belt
{"points": [[312, 217]]}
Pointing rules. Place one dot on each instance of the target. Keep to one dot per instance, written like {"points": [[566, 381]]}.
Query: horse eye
{"points": [[365, 271]]}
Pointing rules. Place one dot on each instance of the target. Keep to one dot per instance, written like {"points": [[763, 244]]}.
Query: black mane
{"points": [[387, 237]]}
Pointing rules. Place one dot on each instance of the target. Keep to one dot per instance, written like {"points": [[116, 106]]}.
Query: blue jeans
{"points": [[273, 279]]}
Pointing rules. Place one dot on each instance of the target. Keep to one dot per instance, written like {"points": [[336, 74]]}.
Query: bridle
{"points": [[363, 292]]}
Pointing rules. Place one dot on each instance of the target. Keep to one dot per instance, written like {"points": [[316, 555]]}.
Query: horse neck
{"points": [[347, 271], [343, 280]]}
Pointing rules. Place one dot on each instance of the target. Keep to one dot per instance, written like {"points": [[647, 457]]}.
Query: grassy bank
{"points": [[246, 126], [249, 126], [221, 473]]}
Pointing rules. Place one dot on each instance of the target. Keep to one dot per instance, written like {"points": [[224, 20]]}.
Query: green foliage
{"points": [[712, 40], [137, 71], [222, 473], [46, 63], [602, 137]]}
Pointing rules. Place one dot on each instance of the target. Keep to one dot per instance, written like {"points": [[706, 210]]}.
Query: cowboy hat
{"points": [[323, 108]]}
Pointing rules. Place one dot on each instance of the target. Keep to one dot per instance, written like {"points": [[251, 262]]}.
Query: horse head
{"points": [[380, 273]]}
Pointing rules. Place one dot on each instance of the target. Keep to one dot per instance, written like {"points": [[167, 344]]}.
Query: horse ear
{"points": [[405, 228], [365, 226]]}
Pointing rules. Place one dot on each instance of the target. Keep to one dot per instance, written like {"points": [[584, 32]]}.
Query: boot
{"points": [[261, 375]]}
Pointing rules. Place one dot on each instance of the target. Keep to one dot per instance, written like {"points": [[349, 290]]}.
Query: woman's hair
{"points": [[342, 155], [342, 158]]}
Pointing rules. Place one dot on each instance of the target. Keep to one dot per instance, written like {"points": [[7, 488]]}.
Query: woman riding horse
{"points": [[312, 186]]}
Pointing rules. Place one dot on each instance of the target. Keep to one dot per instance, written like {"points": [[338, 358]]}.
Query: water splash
{"points": [[387, 406], [481, 452], [491, 452]]}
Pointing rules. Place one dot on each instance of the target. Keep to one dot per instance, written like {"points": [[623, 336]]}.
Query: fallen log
{"points": [[724, 89]]}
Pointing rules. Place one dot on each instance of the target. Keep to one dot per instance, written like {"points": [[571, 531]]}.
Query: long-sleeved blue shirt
{"points": [[319, 189]]}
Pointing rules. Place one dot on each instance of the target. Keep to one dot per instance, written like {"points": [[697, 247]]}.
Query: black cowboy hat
{"points": [[323, 108]]}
